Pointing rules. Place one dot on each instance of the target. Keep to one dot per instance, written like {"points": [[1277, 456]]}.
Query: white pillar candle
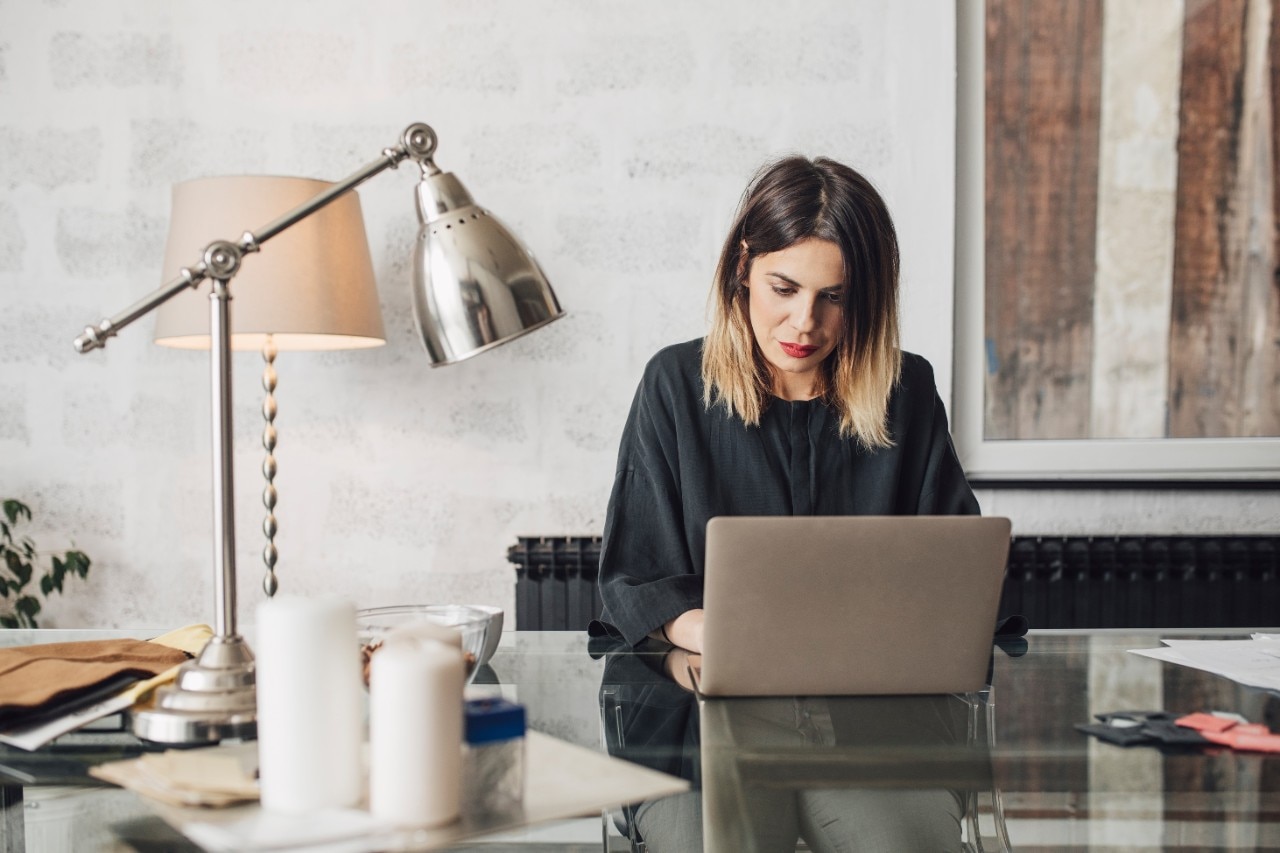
{"points": [[309, 726], [415, 731]]}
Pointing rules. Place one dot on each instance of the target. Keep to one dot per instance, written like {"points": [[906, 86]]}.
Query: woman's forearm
{"points": [[684, 631]]}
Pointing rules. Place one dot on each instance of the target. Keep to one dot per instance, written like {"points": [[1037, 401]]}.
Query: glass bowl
{"points": [[373, 623], [494, 635]]}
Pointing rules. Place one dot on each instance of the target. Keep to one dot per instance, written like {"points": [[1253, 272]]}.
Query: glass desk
{"points": [[888, 773]]}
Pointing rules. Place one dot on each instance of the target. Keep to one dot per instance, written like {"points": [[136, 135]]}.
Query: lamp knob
{"points": [[419, 140], [94, 337], [221, 259]]}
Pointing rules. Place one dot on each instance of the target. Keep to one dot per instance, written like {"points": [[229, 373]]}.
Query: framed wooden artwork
{"points": [[1118, 249]]}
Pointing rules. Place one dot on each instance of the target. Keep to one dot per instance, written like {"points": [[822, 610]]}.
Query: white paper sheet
{"points": [[563, 781], [35, 735], [1255, 663]]}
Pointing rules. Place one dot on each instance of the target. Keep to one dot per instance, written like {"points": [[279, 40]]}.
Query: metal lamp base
{"points": [[214, 698]]}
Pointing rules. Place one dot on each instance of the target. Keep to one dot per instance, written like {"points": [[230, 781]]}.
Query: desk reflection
{"points": [[839, 773]]}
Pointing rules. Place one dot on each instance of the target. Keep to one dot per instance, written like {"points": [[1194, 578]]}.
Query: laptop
{"points": [[850, 605]]}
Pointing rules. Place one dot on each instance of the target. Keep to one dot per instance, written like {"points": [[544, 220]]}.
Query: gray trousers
{"points": [[827, 819]]}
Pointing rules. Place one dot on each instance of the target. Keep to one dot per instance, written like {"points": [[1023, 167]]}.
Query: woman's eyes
{"points": [[835, 297]]}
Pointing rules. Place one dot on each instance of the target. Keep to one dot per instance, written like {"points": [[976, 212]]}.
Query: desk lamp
{"points": [[313, 291], [474, 287]]}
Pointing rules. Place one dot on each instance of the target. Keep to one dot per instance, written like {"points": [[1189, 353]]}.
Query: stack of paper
{"points": [[216, 776], [1254, 662]]}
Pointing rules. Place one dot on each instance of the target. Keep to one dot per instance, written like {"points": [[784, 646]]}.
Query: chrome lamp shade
{"points": [[474, 285]]}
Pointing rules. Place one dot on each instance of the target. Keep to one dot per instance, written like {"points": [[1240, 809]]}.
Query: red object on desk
{"points": [[1249, 737]]}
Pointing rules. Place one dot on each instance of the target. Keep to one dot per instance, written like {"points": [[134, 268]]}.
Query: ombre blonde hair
{"points": [[788, 201]]}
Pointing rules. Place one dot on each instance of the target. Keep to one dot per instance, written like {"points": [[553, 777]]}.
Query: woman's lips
{"points": [[798, 350]]}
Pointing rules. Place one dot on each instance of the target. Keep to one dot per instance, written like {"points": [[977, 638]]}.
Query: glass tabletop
{"points": [[1001, 768], [1005, 768]]}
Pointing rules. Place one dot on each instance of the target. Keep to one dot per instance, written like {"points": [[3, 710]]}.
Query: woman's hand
{"points": [[685, 631], [677, 665]]}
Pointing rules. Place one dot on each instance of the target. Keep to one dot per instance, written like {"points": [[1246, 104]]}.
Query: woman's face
{"points": [[797, 313]]}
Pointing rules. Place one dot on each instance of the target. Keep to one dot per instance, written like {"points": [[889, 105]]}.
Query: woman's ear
{"points": [[744, 256]]}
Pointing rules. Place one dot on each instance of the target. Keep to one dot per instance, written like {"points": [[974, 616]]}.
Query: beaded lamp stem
{"points": [[269, 554]]}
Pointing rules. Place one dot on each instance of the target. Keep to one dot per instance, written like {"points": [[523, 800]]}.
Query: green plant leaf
{"points": [[26, 608], [79, 562], [23, 562], [19, 568], [13, 509]]}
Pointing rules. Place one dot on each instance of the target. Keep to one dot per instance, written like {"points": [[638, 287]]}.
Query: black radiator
{"points": [[556, 582], [1144, 581], [1056, 582]]}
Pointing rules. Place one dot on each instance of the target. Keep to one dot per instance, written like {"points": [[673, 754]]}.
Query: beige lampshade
{"points": [[311, 287]]}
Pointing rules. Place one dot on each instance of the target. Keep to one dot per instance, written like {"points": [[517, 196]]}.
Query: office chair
{"points": [[982, 731], [613, 737]]}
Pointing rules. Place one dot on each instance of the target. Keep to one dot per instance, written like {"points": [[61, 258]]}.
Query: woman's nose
{"points": [[804, 315]]}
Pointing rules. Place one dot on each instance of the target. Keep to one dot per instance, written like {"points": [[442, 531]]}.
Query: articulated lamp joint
{"points": [[419, 143], [221, 260]]}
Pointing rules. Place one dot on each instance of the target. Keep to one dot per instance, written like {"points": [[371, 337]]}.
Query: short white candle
{"points": [[309, 731], [415, 731]]}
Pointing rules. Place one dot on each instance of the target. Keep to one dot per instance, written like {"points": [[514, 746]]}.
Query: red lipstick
{"points": [[798, 350]]}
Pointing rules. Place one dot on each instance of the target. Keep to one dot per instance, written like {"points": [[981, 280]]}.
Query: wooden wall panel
{"points": [[1269, 354], [1223, 334], [1092, 332], [1260, 347], [1043, 82], [1137, 201]]}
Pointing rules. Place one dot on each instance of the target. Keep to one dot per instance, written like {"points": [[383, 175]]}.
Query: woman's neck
{"points": [[796, 387]]}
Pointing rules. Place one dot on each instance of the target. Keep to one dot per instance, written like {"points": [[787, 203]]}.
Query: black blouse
{"points": [[681, 464]]}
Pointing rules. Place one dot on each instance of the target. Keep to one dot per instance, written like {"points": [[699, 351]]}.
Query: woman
{"points": [[798, 402]]}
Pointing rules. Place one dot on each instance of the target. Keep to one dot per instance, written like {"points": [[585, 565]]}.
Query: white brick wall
{"points": [[615, 138]]}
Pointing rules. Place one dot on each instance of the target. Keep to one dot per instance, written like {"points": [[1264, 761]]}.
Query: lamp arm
{"points": [[95, 337], [221, 259]]}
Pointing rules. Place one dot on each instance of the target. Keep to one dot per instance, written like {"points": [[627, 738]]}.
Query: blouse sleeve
{"points": [[945, 490], [647, 576]]}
